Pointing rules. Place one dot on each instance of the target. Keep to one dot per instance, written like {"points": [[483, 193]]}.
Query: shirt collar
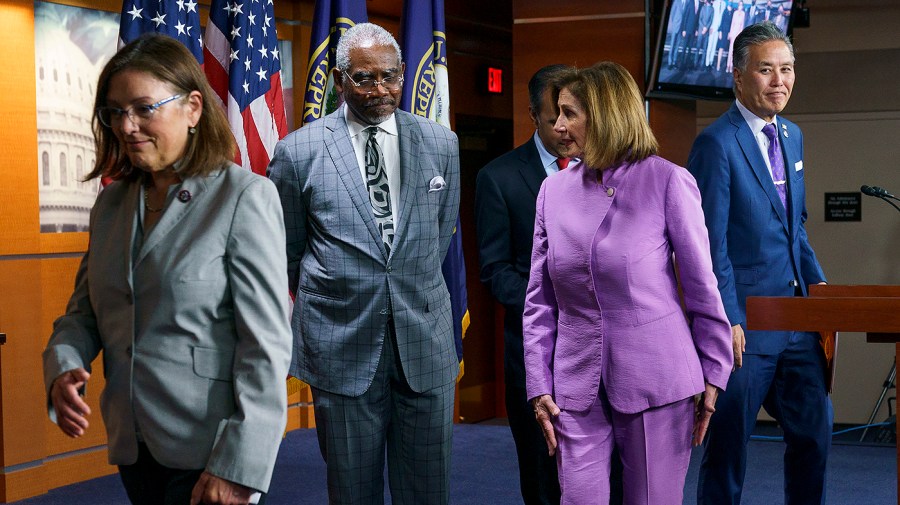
{"points": [[546, 157], [755, 122]]}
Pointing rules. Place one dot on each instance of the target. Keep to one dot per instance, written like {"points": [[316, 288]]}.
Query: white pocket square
{"points": [[798, 166], [436, 184]]}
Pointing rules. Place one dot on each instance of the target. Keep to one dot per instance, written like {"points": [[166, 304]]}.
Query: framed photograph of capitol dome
{"points": [[71, 46]]}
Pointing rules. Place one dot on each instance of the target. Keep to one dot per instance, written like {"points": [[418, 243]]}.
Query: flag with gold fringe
{"points": [[426, 92], [330, 20]]}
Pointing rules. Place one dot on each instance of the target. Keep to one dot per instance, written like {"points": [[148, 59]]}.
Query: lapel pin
{"points": [[184, 196], [784, 130]]}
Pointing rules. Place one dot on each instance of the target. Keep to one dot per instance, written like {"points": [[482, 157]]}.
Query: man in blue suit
{"points": [[749, 167]]}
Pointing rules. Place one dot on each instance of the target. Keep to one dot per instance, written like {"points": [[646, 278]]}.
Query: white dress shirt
{"points": [[389, 140], [756, 124]]}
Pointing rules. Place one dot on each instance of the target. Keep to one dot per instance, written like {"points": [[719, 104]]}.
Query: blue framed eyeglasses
{"points": [[137, 114]]}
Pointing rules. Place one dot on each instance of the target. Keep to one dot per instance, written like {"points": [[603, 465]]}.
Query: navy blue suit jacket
{"points": [[505, 195], [758, 247]]}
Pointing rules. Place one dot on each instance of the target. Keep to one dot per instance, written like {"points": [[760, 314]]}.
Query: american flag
{"points": [[243, 64], [178, 19]]}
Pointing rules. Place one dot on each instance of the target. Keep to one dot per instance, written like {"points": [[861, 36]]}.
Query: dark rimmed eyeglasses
{"points": [[390, 83], [137, 114]]}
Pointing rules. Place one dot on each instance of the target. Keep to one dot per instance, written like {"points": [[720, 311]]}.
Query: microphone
{"points": [[876, 191], [880, 193]]}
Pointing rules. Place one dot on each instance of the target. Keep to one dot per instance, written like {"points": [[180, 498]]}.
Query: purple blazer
{"points": [[602, 300]]}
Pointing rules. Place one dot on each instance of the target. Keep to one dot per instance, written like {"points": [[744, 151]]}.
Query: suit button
{"points": [[390, 269], [128, 351], [793, 283], [129, 299]]}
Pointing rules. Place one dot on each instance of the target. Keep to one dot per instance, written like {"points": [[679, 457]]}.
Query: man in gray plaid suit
{"points": [[370, 196]]}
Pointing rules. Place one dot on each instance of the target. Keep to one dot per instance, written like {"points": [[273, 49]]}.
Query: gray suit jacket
{"points": [[195, 335], [346, 288]]}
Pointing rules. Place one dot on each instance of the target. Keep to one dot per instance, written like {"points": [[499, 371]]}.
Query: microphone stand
{"points": [[885, 198], [889, 380]]}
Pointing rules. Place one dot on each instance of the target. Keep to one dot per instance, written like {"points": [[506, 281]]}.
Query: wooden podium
{"points": [[874, 310]]}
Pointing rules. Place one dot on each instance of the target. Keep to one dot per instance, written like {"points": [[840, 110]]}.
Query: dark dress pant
{"points": [[791, 387], [147, 482]]}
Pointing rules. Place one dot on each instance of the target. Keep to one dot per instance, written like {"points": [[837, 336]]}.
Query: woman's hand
{"points": [[212, 490], [544, 408], [704, 406], [71, 409]]}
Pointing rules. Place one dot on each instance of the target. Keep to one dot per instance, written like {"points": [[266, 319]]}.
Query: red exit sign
{"points": [[494, 80]]}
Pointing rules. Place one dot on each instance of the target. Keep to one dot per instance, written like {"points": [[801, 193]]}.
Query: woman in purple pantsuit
{"points": [[610, 355]]}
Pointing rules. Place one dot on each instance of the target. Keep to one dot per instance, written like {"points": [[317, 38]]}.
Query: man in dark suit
{"points": [[749, 168], [688, 35], [370, 196], [505, 195]]}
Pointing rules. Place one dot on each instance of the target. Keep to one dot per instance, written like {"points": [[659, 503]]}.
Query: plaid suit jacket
{"points": [[346, 287]]}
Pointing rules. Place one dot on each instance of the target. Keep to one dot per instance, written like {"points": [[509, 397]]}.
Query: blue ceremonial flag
{"points": [[426, 92], [177, 18], [454, 270], [330, 20]]}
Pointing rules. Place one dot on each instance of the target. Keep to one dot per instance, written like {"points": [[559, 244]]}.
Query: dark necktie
{"points": [[776, 161], [562, 163], [379, 192]]}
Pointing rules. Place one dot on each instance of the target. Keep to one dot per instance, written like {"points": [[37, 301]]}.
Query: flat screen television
{"points": [[694, 44]]}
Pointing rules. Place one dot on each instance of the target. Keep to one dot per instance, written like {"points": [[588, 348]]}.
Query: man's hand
{"points": [[544, 409], [71, 409], [704, 406], [738, 345], [212, 490]]}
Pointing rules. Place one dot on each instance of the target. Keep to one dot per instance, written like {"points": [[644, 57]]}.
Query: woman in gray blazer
{"points": [[183, 288]]}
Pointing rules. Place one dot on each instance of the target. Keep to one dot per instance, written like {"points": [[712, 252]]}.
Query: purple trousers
{"points": [[655, 447]]}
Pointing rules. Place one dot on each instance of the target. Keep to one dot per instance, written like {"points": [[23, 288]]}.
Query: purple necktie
{"points": [[776, 160]]}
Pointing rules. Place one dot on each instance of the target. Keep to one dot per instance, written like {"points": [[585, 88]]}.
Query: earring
{"points": [[192, 130]]}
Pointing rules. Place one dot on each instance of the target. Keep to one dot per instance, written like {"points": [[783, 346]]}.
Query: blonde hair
{"points": [[617, 129]]}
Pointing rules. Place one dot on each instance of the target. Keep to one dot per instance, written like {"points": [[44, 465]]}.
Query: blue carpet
{"points": [[484, 473]]}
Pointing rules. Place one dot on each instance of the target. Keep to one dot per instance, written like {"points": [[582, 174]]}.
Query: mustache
{"points": [[380, 101]]}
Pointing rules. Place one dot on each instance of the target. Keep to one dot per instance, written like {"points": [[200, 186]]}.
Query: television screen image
{"points": [[694, 52]]}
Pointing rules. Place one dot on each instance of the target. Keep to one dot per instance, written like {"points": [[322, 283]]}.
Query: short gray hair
{"points": [[359, 34], [754, 35]]}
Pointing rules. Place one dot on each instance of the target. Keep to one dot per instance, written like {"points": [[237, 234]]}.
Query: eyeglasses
{"points": [[138, 114], [390, 83]]}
